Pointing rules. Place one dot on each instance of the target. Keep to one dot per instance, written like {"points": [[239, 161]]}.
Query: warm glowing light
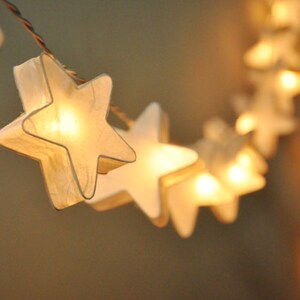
{"points": [[260, 56], [242, 180], [67, 124], [281, 13], [252, 160], [165, 158], [64, 127], [289, 80], [206, 185], [207, 190], [245, 123], [236, 174], [244, 159]]}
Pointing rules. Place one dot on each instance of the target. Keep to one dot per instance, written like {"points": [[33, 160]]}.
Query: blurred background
{"points": [[187, 55]]}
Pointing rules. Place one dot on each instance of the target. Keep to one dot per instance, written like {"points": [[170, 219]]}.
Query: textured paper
{"points": [[64, 127]]}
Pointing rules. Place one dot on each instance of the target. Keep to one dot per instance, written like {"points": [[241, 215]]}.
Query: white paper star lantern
{"points": [[285, 13], [272, 49], [64, 127], [227, 168], [143, 181], [191, 190], [266, 122], [280, 84]]}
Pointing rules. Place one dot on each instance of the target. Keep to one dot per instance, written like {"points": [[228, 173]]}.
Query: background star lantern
{"points": [[266, 122], [210, 183]]}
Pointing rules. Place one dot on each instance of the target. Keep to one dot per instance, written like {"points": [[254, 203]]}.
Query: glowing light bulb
{"points": [[67, 124], [245, 123], [242, 180], [205, 190], [260, 56], [281, 13], [288, 80], [236, 174], [206, 185]]}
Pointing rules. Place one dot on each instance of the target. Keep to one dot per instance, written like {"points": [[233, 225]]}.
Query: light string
{"points": [[167, 180], [40, 41]]}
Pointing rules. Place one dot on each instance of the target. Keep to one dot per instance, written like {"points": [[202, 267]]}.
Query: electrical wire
{"points": [[42, 44]]}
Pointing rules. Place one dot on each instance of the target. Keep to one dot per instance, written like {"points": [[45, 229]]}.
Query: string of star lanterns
{"points": [[83, 158]]}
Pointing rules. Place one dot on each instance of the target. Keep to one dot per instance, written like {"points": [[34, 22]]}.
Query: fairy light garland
{"points": [[222, 166]]}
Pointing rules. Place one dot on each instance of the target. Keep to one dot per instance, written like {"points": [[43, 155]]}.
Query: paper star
{"points": [[273, 49], [64, 127], [227, 169], [143, 181], [285, 13], [281, 84], [192, 190], [267, 123]]}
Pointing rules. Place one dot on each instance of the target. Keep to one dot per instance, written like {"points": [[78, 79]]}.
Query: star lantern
{"points": [[272, 49], [64, 127], [146, 180], [282, 84], [228, 168], [285, 13], [266, 122]]}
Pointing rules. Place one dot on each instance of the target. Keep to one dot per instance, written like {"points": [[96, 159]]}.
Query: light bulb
{"points": [[209, 191], [245, 123], [236, 174], [206, 185], [66, 124], [288, 80]]}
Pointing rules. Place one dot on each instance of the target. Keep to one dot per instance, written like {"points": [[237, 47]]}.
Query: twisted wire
{"points": [[42, 44]]}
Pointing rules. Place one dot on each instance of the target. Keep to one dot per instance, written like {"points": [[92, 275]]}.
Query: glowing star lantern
{"points": [[240, 179], [280, 84], [267, 124], [230, 160], [64, 127], [193, 188], [233, 166], [271, 49], [227, 168], [143, 181], [286, 13]]}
